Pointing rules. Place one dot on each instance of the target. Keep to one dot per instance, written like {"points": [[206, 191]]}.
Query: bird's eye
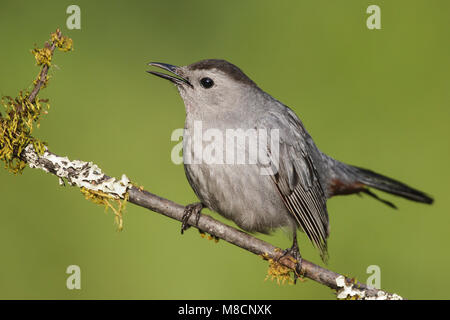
{"points": [[206, 83]]}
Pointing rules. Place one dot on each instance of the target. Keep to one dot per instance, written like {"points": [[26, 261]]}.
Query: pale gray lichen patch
{"points": [[349, 291], [77, 173]]}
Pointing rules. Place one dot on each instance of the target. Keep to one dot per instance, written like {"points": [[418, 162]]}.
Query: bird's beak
{"points": [[178, 80]]}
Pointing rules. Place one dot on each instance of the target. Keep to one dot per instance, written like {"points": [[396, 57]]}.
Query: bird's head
{"points": [[208, 84]]}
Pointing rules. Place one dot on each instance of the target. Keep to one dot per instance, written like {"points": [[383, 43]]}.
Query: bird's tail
{"points": [[386, 184]]}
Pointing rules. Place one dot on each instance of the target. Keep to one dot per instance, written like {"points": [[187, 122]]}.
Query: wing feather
{"points": [[297, 179]]}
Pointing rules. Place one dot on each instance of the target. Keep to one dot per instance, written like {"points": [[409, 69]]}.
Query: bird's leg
{"points": [[294, 251], [190, 209]]}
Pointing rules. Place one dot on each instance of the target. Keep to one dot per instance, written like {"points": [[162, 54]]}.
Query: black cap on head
{"points": [[224, 66]]}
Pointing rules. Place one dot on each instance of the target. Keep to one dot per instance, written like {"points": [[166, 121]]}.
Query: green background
{"points": [[374, 98]]}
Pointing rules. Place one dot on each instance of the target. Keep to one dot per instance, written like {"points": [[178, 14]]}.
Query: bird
{"points": [[292, 191]]}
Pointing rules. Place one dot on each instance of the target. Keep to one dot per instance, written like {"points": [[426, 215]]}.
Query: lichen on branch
{"points": [[93, 183], [21, 114], [18, 147], [110, 202], [350, 290], [16, 126]]}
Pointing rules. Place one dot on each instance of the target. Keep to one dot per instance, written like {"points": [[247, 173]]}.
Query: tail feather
{"points": [[386, 184], [375, 196]]}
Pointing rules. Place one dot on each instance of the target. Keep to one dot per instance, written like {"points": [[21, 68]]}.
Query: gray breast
{"points": [[239, 192]]}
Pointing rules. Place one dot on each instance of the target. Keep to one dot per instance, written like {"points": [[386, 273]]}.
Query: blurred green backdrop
{"points": [[375, 98]]}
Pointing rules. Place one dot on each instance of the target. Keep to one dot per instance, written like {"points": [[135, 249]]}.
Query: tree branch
{"points": [[88, 175]]}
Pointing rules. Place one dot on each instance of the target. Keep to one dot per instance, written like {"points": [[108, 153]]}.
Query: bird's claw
{"points": [[294, 252], [189, 210]]}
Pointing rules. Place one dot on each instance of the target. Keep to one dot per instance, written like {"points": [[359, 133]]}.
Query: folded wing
{"points": [[296, 177]]}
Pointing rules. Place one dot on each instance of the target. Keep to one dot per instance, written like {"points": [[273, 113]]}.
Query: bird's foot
{"points": [[294, 252], [189, 210]]}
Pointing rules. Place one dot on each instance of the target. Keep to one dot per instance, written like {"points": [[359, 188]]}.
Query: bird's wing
{"points": [[296, 177]]}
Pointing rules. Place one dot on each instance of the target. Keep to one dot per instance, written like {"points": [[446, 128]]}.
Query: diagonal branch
{"points": [[89, 176], [44, 71]]}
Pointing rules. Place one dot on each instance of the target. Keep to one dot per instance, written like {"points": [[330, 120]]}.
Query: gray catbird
{"points": [[222, 97]]}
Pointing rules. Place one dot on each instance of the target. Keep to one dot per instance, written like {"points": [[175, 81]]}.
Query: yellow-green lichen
{"points": [[209, 236], [279, 272], [116, 204], [17, 121], [62, 43], [44, 55], [19, 115]]}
